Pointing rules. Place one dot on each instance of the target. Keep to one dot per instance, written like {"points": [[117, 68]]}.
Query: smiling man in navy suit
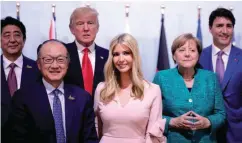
{"points": [[51, 111], [17, 70], [226, 60], [87, 58]]}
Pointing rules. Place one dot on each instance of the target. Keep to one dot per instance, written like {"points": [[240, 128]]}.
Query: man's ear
{"points": [[210, 27], [71, 29], [38, 64]]}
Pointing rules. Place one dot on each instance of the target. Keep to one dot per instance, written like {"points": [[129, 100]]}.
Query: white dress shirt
{"points": [[91, 54], [225, 56], [17, 69], [49, 89]]}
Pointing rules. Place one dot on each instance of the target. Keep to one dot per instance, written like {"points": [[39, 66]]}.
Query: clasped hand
{"points": [[190, 121]]}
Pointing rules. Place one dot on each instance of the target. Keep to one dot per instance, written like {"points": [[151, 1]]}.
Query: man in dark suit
{"points": [[17, 71], [226, 60], [87, 58], [52, 111]]}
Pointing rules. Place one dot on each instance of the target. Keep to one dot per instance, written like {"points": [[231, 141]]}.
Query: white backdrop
{"points": [[144, 19]]}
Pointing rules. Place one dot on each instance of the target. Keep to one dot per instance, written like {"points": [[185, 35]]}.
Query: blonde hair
{"points": [[112, 75], [83, 11]]}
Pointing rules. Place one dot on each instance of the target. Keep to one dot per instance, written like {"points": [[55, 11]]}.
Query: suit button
{"points": [[190, 100]]}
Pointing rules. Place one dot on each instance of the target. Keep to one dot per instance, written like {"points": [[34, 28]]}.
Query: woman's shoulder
{"points": [[100, 86], [166, 72], [152, 90], [151, 86], [205, 73]]}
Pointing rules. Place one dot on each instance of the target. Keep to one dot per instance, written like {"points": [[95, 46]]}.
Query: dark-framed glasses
{"points": [[59, 59]]}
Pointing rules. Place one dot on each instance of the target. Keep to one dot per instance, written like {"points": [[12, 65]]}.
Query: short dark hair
{"points": [[221, 12], [12, 21], [51, 40]]}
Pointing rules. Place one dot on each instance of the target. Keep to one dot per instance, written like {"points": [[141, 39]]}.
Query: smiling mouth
{"points": [[13, 47], [121, 66], [55, 72]]}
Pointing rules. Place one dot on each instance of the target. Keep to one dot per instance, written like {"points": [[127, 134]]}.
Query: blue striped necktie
{"points": [[57, 113]]}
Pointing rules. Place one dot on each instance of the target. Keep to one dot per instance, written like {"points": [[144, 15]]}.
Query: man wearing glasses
{"points": [[50, 110]]}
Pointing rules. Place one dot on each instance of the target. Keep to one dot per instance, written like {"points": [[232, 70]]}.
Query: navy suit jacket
{"points": [[32, 120], [29, 75], [231, 89], [74, 73]]}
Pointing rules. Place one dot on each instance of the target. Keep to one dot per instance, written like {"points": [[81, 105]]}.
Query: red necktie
{"points": [[87, 71], [12, 80]]}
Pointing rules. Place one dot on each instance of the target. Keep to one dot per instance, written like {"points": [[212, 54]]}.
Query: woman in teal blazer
{"points": [[192, 98]]}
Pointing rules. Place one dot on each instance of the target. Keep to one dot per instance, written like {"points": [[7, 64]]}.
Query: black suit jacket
{"points": [[29, 75], [74, 73], [32, 120]]}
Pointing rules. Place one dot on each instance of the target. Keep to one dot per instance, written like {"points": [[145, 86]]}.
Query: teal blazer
{"points": [[205, 99]]}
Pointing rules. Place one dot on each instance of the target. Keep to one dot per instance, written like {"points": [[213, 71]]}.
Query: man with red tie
{"points": [[17, 71], [87, 58]]}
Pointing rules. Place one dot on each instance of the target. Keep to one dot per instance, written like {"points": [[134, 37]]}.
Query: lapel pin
{"points": [[71, 98], [29, 67], [235, 60], [101, 57]]}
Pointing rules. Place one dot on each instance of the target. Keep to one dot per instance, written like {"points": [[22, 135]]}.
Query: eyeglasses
{"points": [[59, 60]]}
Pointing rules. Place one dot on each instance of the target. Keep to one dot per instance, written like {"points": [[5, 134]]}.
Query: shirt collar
{"points": [[49, 88], [18, 62], [81, 47], [226, 50]]}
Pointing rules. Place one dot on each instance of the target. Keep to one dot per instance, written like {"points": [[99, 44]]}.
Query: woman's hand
{"points": [[201, 122], [182, 122]]}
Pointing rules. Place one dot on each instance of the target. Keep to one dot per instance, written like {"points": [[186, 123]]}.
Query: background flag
{"points": [[52, 30], [163, 59], [17, 10], [199, 31], [127, 28]]}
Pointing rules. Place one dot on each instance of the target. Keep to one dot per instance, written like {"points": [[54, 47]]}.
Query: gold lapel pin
{"points": [[71, 98], [29, 67]]}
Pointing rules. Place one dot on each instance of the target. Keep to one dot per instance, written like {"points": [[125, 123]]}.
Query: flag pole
{"points": [[52, 30], [163, 58], [127, 29], [17, 10], [53, 12], [199, 11], [199, 30]]}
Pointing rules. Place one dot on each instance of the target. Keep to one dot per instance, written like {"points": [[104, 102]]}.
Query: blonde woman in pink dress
{"points": [[128, 108]]}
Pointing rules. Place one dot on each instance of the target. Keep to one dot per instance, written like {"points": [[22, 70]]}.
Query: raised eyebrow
{"points": [[17, 32], [229, 24], [219, 24], [7, 32]]}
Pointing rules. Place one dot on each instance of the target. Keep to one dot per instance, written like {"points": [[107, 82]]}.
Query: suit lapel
{"points": [[26, 72], [231, 66], [209, 59], [99, 62], [43, 108], [4, 85], [69, 108], [75, 62]]}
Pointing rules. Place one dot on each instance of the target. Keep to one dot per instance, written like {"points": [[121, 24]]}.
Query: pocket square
{"points": [[29, 67], [71, 98]]}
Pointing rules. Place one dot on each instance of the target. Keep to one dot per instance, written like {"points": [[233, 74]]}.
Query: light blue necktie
{"points": [[220, 66], [57, 113]]}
